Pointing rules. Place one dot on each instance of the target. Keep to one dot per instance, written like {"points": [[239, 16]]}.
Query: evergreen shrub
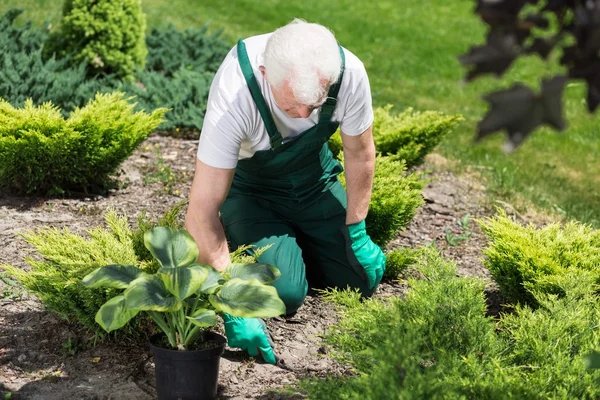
{"points": [[177, 76], [395, 199], [437, 343], [185, 94], [66, 257], [408, 136], [525, 259], [42, 153], [107, 35], [16, 39], [170, 50], [398, 261], [63, 257]]}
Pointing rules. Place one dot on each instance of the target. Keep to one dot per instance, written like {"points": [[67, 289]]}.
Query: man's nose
{"points": [[304, 111]]}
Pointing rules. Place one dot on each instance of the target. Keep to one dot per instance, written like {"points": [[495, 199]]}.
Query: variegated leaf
{"points": [[171, 247], [248, 299]]}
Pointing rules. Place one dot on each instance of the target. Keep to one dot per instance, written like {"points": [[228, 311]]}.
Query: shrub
{"points": [[398, 261], [172, 218], [66, 258], [18, 39], [170, 50], [525, 259], [437, 343], [394, 200], [552, 339], [178, 74], [185, 94], [25, 74], [107, 35], [408, 136], [42, 153]]}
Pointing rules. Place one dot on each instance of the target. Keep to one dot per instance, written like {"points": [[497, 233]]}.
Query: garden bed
{"points": [[43, 357]]}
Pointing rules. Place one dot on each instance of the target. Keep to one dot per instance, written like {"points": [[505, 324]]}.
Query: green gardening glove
{"points": [[251, 335], [368, 254]]}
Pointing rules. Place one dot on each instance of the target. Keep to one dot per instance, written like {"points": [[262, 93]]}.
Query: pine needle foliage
{"points": [[185, 94], [42, 153], [15, 39], [398, 261], [395, 199], [437, 343], [106, 35], [62, 258], [179, 69], [170, 50], [527, 259], [65, 257], [172, 218], [408, 136]]}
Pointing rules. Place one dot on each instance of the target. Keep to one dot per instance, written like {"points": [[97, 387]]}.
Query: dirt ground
{"points": [[43, 357]]}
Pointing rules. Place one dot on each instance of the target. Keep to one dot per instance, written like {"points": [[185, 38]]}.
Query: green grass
{"points": [[410, 50]]}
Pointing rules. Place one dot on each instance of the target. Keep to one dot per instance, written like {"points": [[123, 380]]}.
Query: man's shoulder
{"points": [[229, 78], [353, 63]]}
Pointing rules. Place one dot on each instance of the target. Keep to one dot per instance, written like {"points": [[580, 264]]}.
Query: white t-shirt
{"points": [[233, 128]]}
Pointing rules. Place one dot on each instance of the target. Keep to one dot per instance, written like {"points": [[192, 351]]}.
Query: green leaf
{"points": [[204, 318], [148, 292], [115, 276], [171, 247], [182, 282], [264, 273], [248, 299], [114, 314], [213, 282]]}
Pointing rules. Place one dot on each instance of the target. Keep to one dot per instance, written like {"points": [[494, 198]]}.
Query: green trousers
{"points": [[307, 244]]}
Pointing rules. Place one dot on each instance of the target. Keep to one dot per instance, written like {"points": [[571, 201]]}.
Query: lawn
{"points": [[410, 50]]}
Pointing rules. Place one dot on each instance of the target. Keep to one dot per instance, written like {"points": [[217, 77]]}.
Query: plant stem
{"points": [[189, 334], [164, 326]]}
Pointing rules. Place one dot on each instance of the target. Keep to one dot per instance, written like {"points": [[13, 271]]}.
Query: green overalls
{"points": [[289, 197]]}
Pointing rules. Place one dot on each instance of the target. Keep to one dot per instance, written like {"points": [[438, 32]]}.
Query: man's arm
{"points": [[209, 190], [359, 163]]}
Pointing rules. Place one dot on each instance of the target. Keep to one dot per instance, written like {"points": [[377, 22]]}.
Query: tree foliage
{"points": [[106, 35], [541, 27]]}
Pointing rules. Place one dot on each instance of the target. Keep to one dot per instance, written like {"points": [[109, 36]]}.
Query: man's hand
{"points": [[208, 192], [368, 254], [251, 335]]}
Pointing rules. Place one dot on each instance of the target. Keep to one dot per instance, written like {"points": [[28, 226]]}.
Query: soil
{"points": [[44, 357]]}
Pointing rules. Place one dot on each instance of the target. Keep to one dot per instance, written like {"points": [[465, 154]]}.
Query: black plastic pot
{"points": [[188, 375]]}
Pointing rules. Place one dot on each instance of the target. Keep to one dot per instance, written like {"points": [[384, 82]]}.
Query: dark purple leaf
{"points": [[543, 47], [494, 57], [519, 110]]}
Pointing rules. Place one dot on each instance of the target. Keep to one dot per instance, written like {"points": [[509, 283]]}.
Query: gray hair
{"points": [[305, 55]]}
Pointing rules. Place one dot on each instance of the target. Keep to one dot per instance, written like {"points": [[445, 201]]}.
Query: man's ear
{"points": [[263, 71]]}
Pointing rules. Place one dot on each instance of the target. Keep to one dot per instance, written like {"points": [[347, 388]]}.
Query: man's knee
{"points": [[292, 295], [291, 286]]}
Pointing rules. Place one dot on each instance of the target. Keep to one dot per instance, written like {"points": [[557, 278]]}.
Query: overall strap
{"points": [[259, 100], [329, 105]]}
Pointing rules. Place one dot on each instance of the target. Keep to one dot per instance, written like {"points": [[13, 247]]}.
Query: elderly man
{"points": [[264, 166]]}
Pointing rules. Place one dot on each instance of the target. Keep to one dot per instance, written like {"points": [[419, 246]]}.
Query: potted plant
{"points": [[183, 299]]}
